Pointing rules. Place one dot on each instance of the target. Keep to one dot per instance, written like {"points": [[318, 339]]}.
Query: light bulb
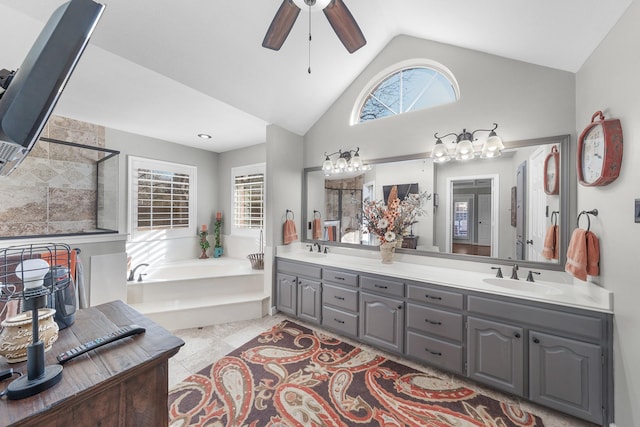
{"points": [[32, 272]]}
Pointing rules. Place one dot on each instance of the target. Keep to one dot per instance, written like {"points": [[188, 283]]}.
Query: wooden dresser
{"points": [[124, 383]]}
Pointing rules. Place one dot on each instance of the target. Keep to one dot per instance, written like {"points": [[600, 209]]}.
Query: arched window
{"points": [[404, 88]]}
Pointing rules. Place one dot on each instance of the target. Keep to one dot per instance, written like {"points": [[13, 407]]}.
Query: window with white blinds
{"points": [[162, 198], [248, 184]]}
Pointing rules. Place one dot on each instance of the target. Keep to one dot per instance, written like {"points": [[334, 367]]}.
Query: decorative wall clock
{"points": [[552, 171], [600, 151]]}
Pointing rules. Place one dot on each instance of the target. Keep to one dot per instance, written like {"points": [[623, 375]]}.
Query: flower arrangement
{"points": [[393, 220]]}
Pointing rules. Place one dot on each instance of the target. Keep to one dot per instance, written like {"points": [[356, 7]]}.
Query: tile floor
{"points": [[205, 345]]}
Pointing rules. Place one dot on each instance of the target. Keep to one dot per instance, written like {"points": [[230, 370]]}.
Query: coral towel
{"points": [[289, 230], [550, 249], [317, 229], [583, 254]]}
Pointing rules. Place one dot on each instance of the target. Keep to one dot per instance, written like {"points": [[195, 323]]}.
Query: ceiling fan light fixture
{"points": [[313, 5]]}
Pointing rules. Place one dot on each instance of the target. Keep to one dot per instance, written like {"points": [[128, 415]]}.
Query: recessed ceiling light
{"points": [[204, 136]]}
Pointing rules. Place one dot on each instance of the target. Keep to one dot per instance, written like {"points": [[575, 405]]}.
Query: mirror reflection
{"points": [[496, 208]]}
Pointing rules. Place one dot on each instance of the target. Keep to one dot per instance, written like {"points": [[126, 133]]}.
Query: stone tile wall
{"points": [[53, 191]]}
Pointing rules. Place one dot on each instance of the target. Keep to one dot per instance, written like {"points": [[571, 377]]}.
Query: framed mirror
{"points": [[487, 210]]}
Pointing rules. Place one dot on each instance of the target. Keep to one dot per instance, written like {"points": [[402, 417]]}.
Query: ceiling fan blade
{"points": [[281, 25], [344, 25]]}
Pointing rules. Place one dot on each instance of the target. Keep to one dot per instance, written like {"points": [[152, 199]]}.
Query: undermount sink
{"points": [[315, 254], [523, 286]]}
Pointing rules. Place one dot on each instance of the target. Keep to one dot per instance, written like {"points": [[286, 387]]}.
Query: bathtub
{"points": [[183, 271], [195, 293]]}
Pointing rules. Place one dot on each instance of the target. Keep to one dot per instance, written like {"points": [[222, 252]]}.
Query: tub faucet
{"points": [[514, 272], [132, 274]]}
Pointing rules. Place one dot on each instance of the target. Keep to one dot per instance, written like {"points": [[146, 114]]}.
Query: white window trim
{"points": [[135, 163], [385, 73], [245, 170]]}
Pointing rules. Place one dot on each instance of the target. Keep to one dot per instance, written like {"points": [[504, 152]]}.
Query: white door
{"points": [[484, 219], [536, 206]]}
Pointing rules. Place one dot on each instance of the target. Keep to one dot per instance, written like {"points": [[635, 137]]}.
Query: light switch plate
{"points": [[637, 211]]}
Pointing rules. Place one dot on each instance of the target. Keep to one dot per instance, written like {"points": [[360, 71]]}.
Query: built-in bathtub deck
{"points": [[201, 301]]}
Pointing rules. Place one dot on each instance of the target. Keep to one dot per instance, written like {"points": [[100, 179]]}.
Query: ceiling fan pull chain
{"points": [[309, 69]]}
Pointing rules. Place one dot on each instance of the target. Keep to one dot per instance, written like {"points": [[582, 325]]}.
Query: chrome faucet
{"points": [[132, 274], [514, 272]]}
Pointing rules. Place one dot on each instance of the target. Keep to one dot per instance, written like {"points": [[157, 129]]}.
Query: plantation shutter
{"points": [[163, 199], [248, 201]]}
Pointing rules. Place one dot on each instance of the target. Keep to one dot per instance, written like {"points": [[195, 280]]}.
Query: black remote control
{"points": [[125, 331]]}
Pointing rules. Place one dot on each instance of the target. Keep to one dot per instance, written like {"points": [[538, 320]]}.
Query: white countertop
{"points": [[584, 295]]}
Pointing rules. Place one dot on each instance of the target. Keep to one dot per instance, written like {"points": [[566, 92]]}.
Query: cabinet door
{"points": [[496, 354], [382, 321], [309, 300], [286, 290], [565, 374]]}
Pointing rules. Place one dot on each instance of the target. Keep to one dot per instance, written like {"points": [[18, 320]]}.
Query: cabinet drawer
{"points": [[433, 351], [437, 322], [575, 324], [299, 269], [337, 276], [346, 323], [340, 297], [383, 285], [435, 296]]}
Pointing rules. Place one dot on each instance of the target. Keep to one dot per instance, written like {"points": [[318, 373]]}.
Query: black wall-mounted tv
{"points": [[28, 95]]}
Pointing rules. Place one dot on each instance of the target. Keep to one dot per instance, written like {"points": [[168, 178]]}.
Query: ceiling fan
{"points": [[336, 12]]}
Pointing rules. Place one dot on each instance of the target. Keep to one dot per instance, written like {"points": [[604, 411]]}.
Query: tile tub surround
{"points": [[54, 190], [583, 295], [204, 346]]}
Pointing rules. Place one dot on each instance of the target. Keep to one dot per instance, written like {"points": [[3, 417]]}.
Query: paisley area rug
{"points": [[293, 376]]}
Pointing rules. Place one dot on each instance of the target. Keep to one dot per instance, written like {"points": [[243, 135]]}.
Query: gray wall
{"points": [[608, 81], [527, 101], [207, 191]]}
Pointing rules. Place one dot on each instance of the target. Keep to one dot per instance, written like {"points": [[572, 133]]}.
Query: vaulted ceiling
{"points": [[171, 69]]}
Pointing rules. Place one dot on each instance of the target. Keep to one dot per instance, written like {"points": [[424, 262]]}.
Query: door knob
{"points": [[517, 335]]}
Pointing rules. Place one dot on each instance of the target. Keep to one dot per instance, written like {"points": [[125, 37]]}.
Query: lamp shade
{"points": [[341, 163], [440, 154], [327, 165], [464, 150], [356, 162], [492, 147]]}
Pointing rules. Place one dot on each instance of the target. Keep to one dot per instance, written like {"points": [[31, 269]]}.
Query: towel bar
{"points": [[593, 212]]}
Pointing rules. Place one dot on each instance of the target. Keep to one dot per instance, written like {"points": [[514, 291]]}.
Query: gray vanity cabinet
{"points": [[340, 301], [568, 354], [309, 300], [298, 290], [435, 327], [565, 374], [496, 354], [557, 356], [382, 321], [286, 293]]}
